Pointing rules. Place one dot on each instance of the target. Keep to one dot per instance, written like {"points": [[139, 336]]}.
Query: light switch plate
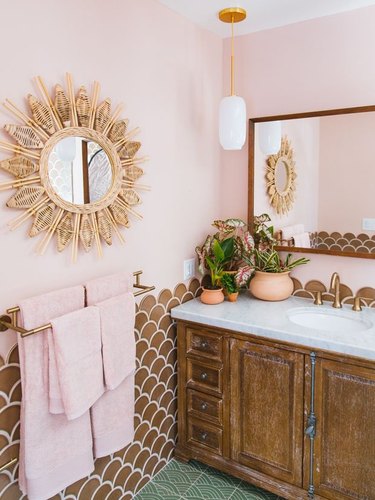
{"points": [[189, 269], [368, 224]]}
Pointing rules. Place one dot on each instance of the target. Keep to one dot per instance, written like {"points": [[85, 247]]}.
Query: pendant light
{"points": [[232, 114], [269, 134]]}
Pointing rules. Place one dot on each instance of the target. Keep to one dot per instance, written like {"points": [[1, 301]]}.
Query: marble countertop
{"points": [[271, 320]]}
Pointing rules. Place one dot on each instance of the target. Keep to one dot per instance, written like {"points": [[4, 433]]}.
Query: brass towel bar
{"points": [[10, 322]]}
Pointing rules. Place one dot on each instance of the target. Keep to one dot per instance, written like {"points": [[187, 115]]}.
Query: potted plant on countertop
{"points": [[234, 239], [270, 278], [230, 285], [213, 293]]}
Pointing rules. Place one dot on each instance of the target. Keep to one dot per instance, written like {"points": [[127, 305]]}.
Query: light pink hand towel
{"points": [[54, 452], [108, 286], [112, 416], [77, 346], [112, 419], [117, 317]]}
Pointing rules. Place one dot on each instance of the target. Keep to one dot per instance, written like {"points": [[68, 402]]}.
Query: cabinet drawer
{"points": [[205, 406], [206, 344], [204, 435], [203, 376]]}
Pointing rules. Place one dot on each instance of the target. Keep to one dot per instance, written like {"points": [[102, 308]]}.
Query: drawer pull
{"points": [[204, 406], [203, 376], [203, 436], [204, 344]]}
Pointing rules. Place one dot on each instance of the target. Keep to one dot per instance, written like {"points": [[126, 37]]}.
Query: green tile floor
{"points": [[196, 481]]}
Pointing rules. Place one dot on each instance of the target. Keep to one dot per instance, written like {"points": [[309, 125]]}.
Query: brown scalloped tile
{"points": [[149, 438], [166, 399], [9, 376], [140, 320], [16, 393], [315, 286], [194, 285], [142, 459], [89, 489], [13, 356], [116, 494], [112, 470], [150, 410], [366, 292], [141, 431], [157, 313], [11, 492], [166, 348], [165, 322], [157, 339], [158, 418], [149, 357], [165, 296], [132, 452], [180, 290], [158, 444], [73, 489], [297, 284], [141, 403], [187, 296], [149, 384], [133, 480], [102, 492], [9, 417], [147, 303], [172, 303], [148, 331], [157, 366], [157, 392], [142, 482]]}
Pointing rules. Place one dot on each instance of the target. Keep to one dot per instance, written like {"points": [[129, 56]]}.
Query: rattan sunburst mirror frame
{"points": [[71, 115], [281, 200]]}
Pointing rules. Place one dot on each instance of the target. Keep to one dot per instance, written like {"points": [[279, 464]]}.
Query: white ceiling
{"points": [[261, 14]]}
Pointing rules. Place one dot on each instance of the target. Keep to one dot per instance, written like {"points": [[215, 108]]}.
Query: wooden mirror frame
{"points": [[49, 121], [251, 173]]}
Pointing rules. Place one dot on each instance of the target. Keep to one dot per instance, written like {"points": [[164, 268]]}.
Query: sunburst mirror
{"points": [[280, 178], [75, 168]]}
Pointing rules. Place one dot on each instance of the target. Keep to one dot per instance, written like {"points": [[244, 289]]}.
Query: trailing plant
{"points": [[229, 283]]}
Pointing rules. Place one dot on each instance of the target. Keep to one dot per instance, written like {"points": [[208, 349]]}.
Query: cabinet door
{"points": [[345, 432], [267, 409]]}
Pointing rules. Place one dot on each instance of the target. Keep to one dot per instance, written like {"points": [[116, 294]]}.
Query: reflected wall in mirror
{"points": [[75, 168], [79, 170], [333, 210]]}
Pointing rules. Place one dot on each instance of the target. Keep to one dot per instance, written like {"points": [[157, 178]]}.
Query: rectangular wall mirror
{"points": [[319, 188]]}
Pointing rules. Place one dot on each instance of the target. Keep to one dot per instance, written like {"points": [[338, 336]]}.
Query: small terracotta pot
{"points": [[232, 297], [271, 286], [212, 297]]}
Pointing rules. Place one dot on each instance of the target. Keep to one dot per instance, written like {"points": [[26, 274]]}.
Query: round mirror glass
{"points": [[79, 170], [281, 175]]}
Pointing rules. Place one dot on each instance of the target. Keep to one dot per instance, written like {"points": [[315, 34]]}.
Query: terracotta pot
{"points": [[232, 297], [271, 286], [212, 296]]}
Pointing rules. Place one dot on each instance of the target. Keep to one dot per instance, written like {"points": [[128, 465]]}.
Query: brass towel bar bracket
{"points": [[10, 322]]}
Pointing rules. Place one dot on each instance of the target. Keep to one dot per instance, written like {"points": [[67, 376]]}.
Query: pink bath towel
{"points": [[108, 286], [117, 317], [112, 416], [54, 452], [76, 342]]}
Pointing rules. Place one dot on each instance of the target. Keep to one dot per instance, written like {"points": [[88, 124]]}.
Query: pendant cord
{"points": [[232, 61]]}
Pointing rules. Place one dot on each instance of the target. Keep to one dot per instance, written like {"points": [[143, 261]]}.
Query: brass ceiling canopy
{"points": [[232, 14]]}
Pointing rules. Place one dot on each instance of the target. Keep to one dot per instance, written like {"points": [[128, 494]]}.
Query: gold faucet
{"points": [[335, 285]]}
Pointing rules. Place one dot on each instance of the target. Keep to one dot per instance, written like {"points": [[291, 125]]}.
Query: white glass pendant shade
{"points": [[270, 137], [232, 122], [66, 149]]}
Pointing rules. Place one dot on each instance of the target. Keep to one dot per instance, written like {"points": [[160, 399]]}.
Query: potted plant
{"points": [[270, 278], [230, 286], [234, 239], [213, 294]]}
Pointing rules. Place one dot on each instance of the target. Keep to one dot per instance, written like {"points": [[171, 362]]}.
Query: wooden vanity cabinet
{"points": [[267, 387], [344, 465], [244, 404]]}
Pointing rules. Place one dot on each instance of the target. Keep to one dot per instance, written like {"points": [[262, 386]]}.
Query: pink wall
{"points": [[319, 64], [168, 73], [347, 152]]}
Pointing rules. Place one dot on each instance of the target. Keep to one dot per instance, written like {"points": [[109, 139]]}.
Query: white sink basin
{"points": [[330, 320]]}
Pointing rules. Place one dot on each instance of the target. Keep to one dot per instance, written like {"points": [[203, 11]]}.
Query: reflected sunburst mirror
{"points": [[75, 167], [280, 178]]}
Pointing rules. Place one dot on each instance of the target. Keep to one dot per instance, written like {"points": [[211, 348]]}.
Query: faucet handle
{"points": [[318, 298], [357, 304]]}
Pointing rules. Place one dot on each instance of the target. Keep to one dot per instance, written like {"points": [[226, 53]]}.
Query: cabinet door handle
{"points": [[204, 344], [203, 376], [203, 436], [204, 406]]}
